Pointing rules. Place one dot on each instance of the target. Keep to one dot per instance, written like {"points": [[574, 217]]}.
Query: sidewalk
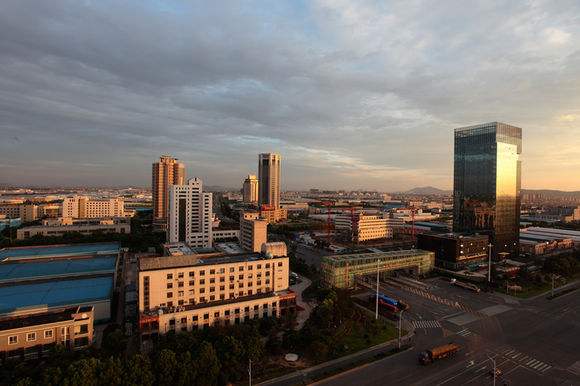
{"points": [[307, 376]]}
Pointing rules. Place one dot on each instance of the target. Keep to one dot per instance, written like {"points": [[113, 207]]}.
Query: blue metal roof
{"points": [[55, 293], [56, 268], [40, 252]]}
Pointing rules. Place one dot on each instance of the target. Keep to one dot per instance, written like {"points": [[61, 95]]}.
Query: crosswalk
{"points": [[426, 324], [465, 333], [525, 360], [437, 299]]}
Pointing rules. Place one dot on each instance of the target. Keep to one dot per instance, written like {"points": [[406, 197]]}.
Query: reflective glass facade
{"points": [[487, 184]]}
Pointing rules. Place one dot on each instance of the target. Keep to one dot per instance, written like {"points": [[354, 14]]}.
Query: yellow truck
{"points": [[429, 356]]}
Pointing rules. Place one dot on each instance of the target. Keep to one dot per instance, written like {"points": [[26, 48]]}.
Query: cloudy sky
{"points": [[352, 94]]}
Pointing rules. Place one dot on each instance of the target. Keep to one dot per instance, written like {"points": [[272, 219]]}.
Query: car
{"points": [[498, 373]]}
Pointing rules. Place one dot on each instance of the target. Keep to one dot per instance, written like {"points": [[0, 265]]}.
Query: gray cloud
{"points": [[361, 94]]}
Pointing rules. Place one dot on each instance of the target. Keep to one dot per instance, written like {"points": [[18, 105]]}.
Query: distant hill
{"points": [[429, 190], [553, 194]]}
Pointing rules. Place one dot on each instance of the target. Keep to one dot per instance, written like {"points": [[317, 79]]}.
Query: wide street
{"points": [[533, 342]]}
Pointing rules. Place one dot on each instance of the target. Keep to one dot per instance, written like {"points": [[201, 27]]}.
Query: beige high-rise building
{"points": [[168, 171], [250, 189], [269, 176], [253, 231]]}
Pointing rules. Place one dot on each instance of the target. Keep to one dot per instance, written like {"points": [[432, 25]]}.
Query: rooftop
{"points": [[165, 262], [41, 318], [56, 251], [47, 269], [55, 293], [379, 255]]}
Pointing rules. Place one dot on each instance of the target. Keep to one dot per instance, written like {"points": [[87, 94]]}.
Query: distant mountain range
{"points": [[428, 191], [553, 194]]}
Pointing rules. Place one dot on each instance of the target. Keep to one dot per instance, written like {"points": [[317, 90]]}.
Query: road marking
{"points": [[546, 369], [516, 356], [530, 362]]}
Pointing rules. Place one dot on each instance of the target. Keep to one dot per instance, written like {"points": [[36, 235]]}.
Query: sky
{"points": [[352, 94]]}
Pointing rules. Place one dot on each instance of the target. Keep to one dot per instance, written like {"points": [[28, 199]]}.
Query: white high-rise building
{"points": [[190, 214], [250, 189]]}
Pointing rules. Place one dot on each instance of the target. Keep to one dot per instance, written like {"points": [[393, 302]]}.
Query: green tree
{"points": [[209, 365], [111, 372], [83, 372], [186, 370], [166, 367], [138, 371]]}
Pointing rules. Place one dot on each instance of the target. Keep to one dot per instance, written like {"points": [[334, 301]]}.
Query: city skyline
{"points": [[348, 99]]}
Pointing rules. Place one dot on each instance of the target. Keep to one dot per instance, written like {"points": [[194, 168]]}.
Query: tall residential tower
{"points": [[168, 171], [190, 214], [269, 180], [487, 184]]}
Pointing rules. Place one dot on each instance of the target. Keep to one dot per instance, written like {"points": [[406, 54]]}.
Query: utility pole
{"points": [[489, 264], [400, 326], [250, 372], [377, 299]]}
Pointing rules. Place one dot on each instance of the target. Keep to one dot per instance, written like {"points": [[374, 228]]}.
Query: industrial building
{"points": [[341, 271], [58, 277], [455, 251]]}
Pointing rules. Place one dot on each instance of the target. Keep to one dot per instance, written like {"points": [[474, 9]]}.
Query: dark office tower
{"points": [[487, 184], [269, 180]]}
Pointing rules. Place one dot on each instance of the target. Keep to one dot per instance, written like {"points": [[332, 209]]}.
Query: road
{"points": [[303, 314], [533, 342]]}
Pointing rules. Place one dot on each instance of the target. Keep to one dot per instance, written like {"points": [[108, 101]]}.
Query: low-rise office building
{"points": [[341, 271], [186, 292], [85, 207], [360, 227], [273, 215], [60, 226], [25, 212], [225, 235], [34, 333], [453, 250]]}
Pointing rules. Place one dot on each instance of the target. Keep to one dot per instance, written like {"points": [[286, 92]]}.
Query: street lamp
{"points": [[489, 264], [400, 324], [377, 299], [494, 368]]}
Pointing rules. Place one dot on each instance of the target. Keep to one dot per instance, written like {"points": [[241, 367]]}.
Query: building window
{"points": [[170, 294], [47, 334], [191, 282], [194, 318], [180, 275], [212, 280], [84, 328], [232, 269], [191, 273], [205, 316], [202, 282], [202, 272], [169, 276], [211, 289], [180, 284], [216, 314], [31, 336], [279, 264], [169, 285], [13, 339], [212, 271]]}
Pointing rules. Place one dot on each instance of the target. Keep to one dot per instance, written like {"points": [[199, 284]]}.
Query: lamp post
{"points": [[400, 325], [249, 372], [494, 368], [489, 264], [377, 297]]}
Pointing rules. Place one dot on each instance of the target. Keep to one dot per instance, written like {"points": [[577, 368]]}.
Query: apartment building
{"points": [[85, 207], [273, 215], [32, 334], [60, 226], [168, 171], [194, 291], [190, 214], [360, 227], [253, 231]]}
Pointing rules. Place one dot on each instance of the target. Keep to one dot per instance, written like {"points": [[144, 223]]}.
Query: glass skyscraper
{"points": [[487, 184]]}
